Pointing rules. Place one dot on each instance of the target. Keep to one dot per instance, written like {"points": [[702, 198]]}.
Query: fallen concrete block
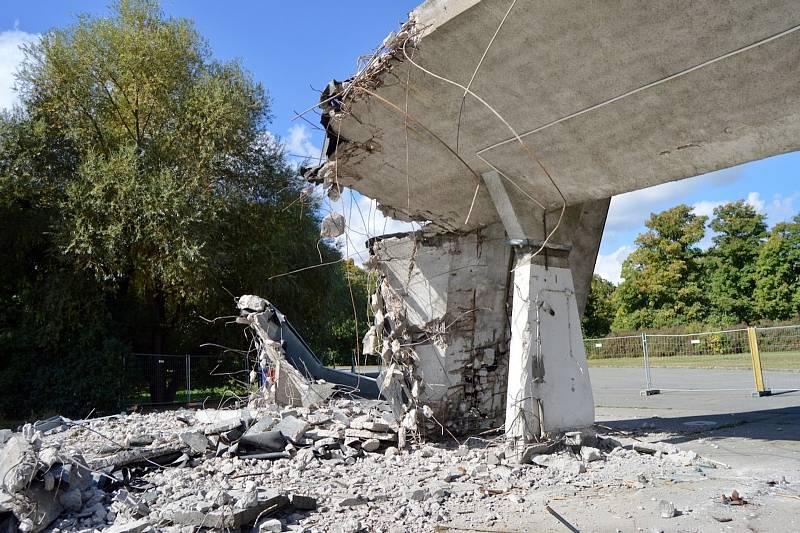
{"points": [[270, 525], [590, 454], [228, 517], [17, 464], [303, 503], [364, 434], [292, 428], [132, 503], [370, 445], [196, 440], [129, 527], [264, 423], [161, 455]]}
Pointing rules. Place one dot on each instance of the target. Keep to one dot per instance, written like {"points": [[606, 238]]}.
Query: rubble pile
{"points": [[336, 467]]}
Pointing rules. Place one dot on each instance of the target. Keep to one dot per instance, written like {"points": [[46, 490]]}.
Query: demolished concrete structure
{"points": [[519, 122]]}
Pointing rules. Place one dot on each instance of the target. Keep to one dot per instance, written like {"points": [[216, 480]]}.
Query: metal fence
{"points": [[167, 379], [771, 354]]}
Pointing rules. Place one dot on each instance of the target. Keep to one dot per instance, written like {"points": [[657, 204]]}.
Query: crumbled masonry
{"points": [[329, 468]]}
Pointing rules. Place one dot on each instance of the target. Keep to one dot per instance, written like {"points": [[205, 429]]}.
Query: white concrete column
{"points": [[548, 381]]}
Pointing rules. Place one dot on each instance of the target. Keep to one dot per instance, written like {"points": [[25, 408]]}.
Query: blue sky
{"points": [[294, 47]]}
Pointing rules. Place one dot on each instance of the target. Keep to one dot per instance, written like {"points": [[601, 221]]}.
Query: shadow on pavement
{"points": [[770, 424]]}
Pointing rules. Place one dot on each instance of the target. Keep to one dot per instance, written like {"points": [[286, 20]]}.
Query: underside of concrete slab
{"points": [[526, 117]]}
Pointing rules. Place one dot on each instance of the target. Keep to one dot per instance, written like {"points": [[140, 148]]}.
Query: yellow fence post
{"points": [[758, 375]]}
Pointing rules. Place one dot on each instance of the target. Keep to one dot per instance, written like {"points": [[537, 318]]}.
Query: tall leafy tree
{"points": [[138, 184], [662, 277], [777, 273], [159, 130], [730, 262], [600, 309]]}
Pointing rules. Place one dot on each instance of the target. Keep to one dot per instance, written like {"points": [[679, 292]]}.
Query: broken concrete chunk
{"points": [[370, 445], [666, 509], [303, 503], [589, 454], [17, 464], [332, 225], [364, 434], [292, 428], [264, 423], [129, 527], [196, 440], [270, 525], [126, 499], [251, 302]]}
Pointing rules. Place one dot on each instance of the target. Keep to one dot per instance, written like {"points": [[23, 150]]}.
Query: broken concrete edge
{"points": [[285, 369]]}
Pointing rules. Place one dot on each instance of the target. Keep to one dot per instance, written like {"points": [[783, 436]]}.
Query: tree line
{"points": [[140, 190], [750, 273]]}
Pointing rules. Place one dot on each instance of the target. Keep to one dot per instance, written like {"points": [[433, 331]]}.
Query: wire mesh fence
{"points": [[170, 379], [779, 348], [772, 354]]}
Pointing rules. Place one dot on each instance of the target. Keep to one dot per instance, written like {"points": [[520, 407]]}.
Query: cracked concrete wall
{"points": [[444, 298]]}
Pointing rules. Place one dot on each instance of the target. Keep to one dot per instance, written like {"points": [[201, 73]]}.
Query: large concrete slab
{"points": [[670, 90]]}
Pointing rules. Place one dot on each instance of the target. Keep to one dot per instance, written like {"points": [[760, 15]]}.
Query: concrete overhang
{"points": [[611, 96]]}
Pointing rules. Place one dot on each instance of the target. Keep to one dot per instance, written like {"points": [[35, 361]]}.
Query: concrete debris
{"points": [[335, 465], [333, 225], [666, 509]]}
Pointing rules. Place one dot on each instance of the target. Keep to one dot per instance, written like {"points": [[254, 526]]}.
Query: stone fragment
{"points": [[17, 464], [251, 302], [196, 440], [351, 501], [303, 503], [417, 495], [137, 526], [132, 503], [371, 445], [391, 451], [365, 434], [264, 423], [585, 437], [589, 454], [666, 509], [333, 225], [529, 452], [270, 525], [5, 434], [292, 427]]}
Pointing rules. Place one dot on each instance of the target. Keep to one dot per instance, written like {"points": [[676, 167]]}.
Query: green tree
{"points": [[777, 272], [731, 261], [661, 278], [159, 130], [600, 310], [138, 185]]}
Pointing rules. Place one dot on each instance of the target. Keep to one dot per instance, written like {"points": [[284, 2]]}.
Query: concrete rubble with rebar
{"points": [[337, 468]]}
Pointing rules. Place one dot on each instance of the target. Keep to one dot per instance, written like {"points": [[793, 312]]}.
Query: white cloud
{"points": [[10, 58], [755, 201], [610, 266], [299, 143], [631, 210], [782, 208], [705, 208]]}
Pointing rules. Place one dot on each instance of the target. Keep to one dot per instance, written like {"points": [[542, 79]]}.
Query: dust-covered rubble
{"points": [[328, 469]]}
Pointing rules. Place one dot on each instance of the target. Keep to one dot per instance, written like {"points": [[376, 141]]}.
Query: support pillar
{"points": [[548, 381]]}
